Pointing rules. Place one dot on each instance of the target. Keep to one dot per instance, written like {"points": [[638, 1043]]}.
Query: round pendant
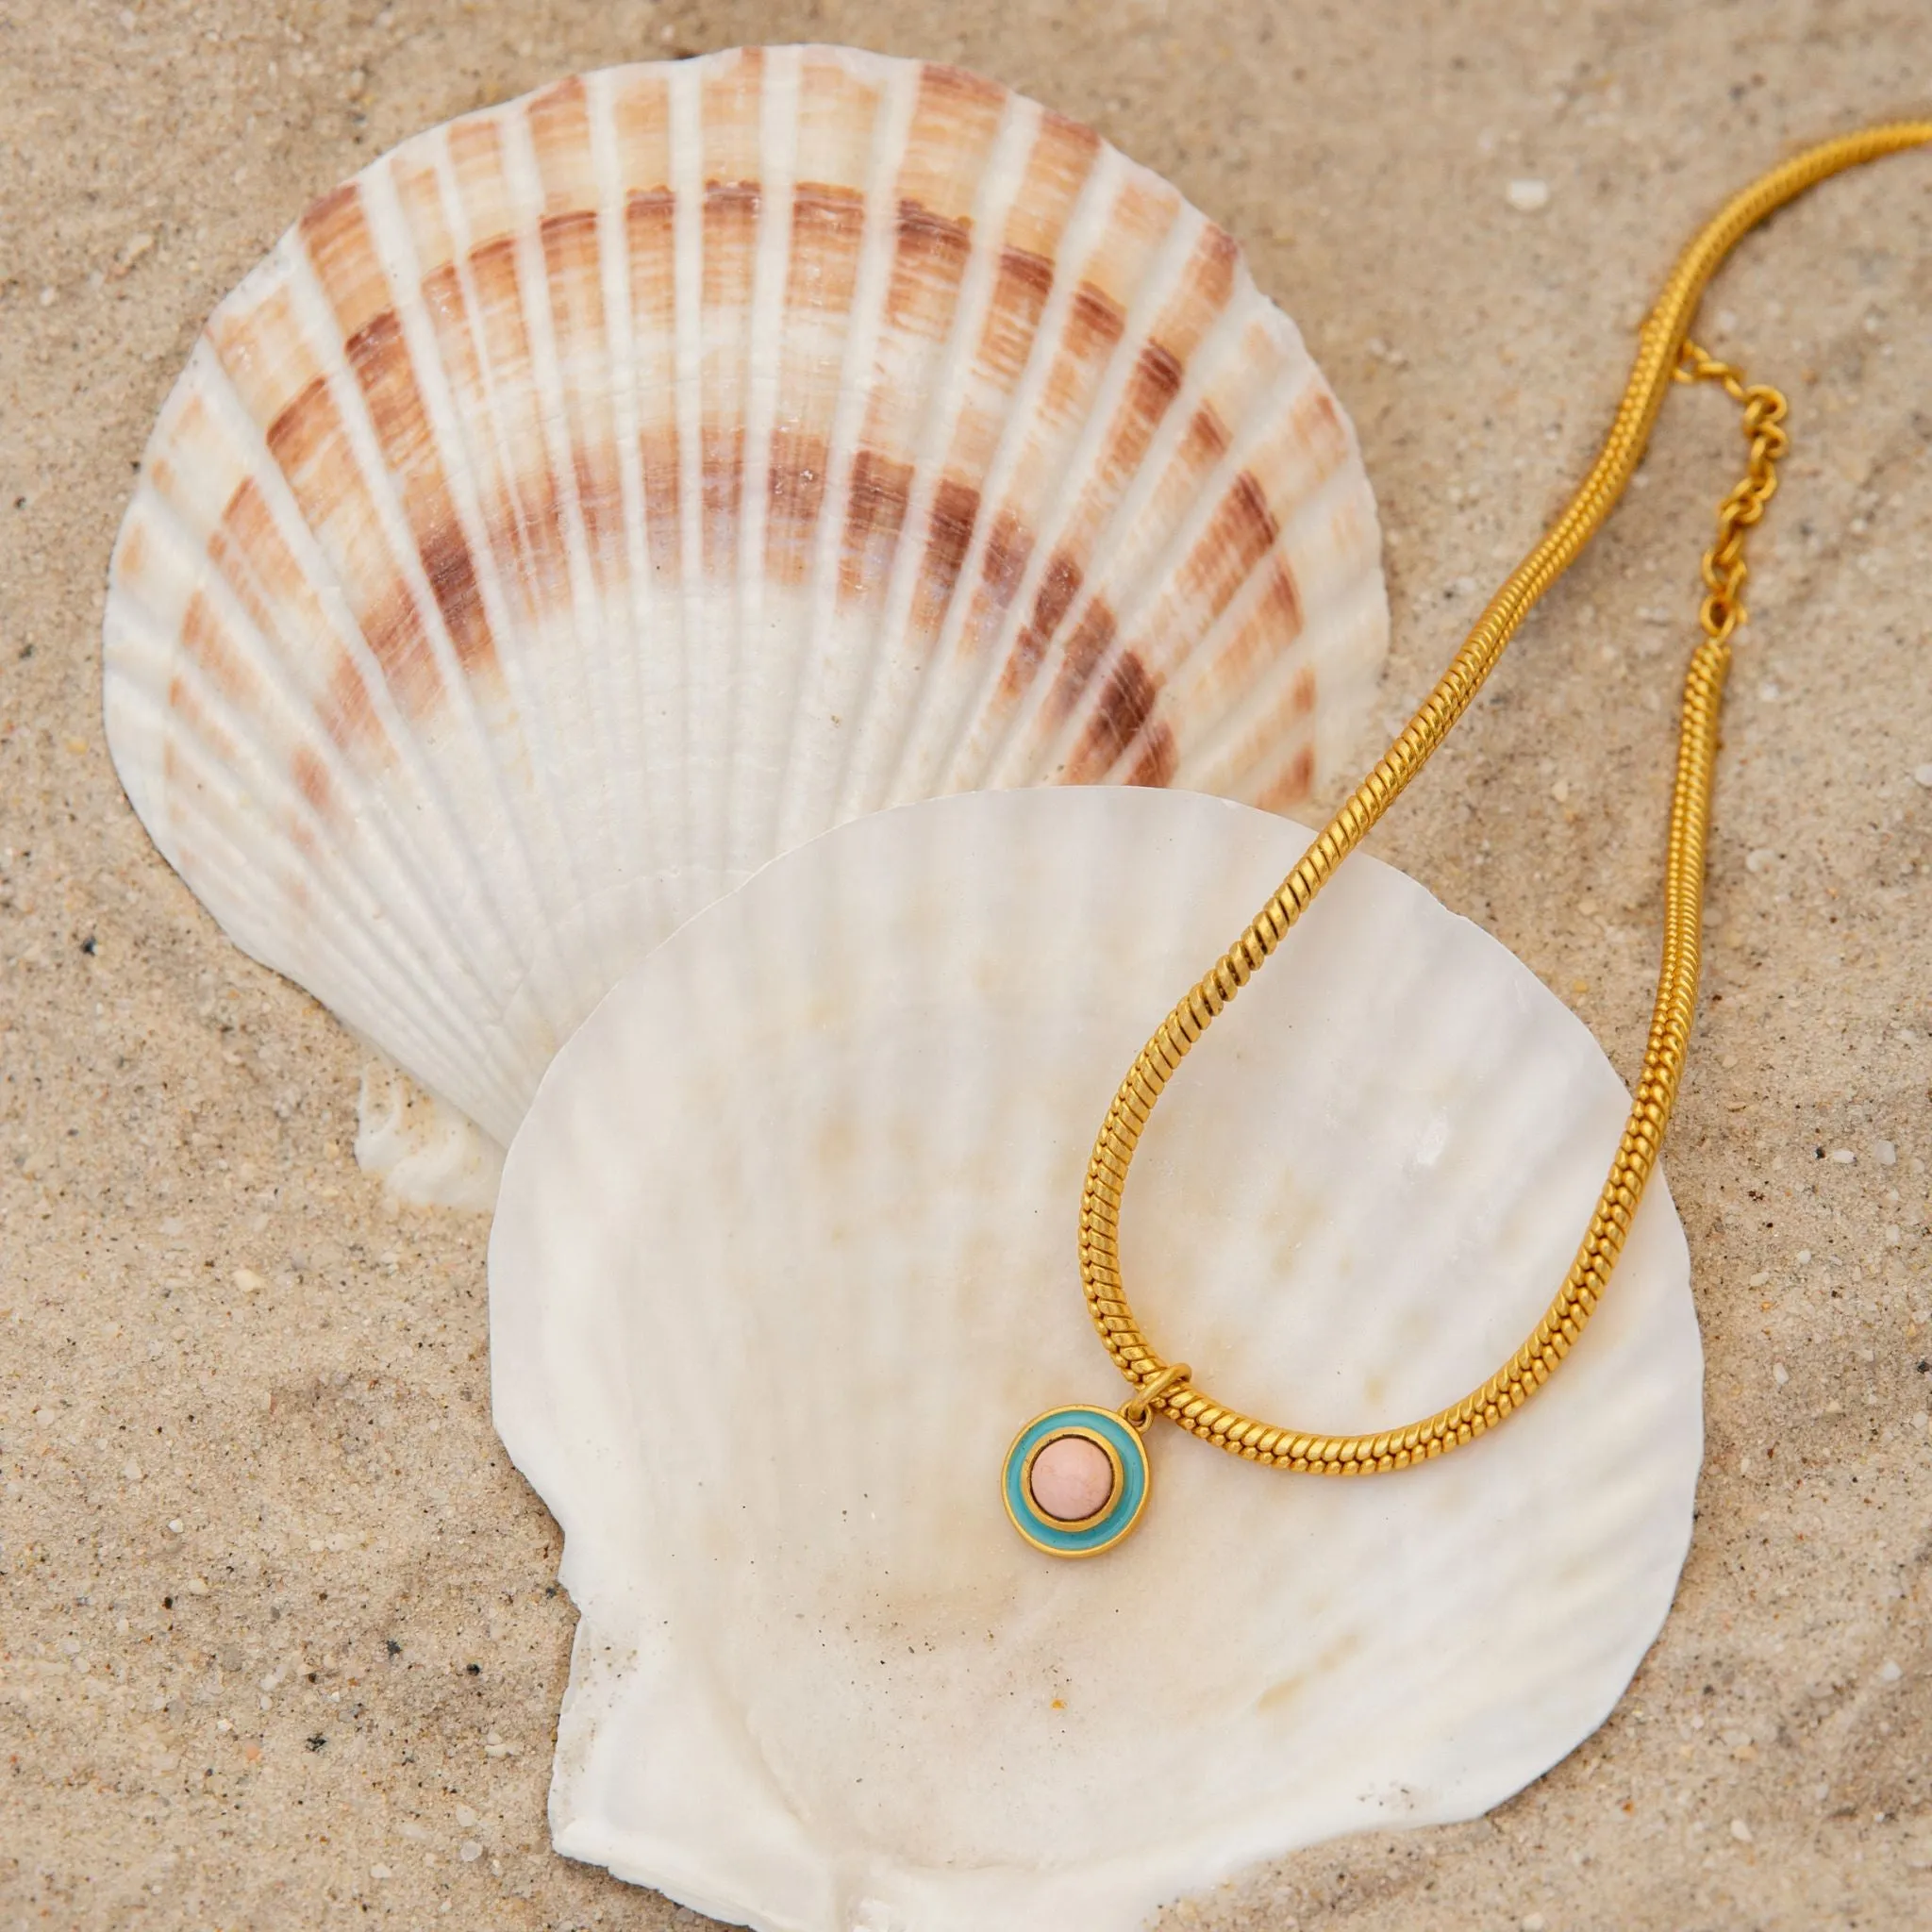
{"points": [[1076, 1481]]}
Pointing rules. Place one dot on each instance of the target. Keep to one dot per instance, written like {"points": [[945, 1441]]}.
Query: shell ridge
{"points": [[596, 912], [144, 664], [524, 764], [548, 208], [1118, 699], [548, 687], [1125, 570], [581, 188], [915, 359], [1336, 738], [811, 746], [732, 191], [1361, 625], [554, 984], [641, 96], [1318, 547], [220, 409], [963, 680], [305, 545], [350, 361], [379, 497], [217, 863], [896, 391], [699, 677], [561, 420], [1268, 712], [631, 624], [1156, 634], [1259, 727], [1102, 531], [1118, 564], [1054, 483], [869, 766], [826, 236], [1267, 751], [764, 349]]}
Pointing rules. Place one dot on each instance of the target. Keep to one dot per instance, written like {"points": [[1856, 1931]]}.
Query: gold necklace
{"points": [[1077, 1478]]}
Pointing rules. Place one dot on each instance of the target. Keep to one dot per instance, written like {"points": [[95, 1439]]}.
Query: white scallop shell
{"points": [[785, 1254], [604, 492]]}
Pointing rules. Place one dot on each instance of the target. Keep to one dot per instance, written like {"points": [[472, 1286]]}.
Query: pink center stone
{"points": [[1072, 1480]]}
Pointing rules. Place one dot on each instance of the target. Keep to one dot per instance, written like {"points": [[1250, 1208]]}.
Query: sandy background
{"points": [[278, 1618]]}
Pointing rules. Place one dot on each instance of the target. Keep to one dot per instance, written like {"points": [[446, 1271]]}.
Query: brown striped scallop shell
{"points": [[605, 492]]}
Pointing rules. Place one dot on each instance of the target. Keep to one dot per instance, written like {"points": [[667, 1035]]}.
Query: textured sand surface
{"points": [[279, 1641]]}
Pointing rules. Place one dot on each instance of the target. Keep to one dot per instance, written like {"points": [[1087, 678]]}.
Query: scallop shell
{"points": [[604, 492], [785, 1253]]}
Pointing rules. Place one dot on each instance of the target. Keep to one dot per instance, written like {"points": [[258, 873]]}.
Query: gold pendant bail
{"points": [[1138, 1410]]}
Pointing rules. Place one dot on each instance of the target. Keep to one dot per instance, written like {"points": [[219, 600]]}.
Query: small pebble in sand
{"points": [[1888, 1672], [470, 1852], [1884, 1152], [1779, 1374], [1923, 775], [1843, 1156], [1528, 196], [465, 1817], [1741, 1831]]}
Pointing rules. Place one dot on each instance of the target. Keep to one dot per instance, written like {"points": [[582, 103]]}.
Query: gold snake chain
{"points": [[1664, 354]]}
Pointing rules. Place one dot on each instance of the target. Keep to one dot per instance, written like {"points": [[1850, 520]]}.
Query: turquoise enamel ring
{"points": [[1076, 1481]]}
